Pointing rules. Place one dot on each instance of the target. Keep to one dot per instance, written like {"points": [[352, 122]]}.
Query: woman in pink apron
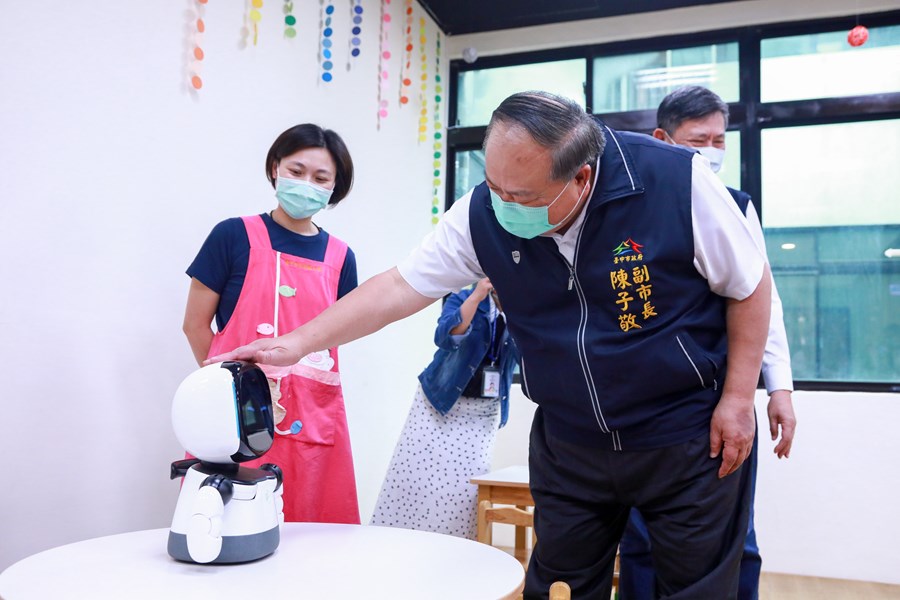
{"points": [[267, 274]]}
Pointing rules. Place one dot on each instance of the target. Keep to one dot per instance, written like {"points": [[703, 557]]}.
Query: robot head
{"points": [[222, 413]]}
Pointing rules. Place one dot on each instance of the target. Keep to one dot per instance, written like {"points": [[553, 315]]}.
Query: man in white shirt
{"points": [[696, 117], [640, 302]]}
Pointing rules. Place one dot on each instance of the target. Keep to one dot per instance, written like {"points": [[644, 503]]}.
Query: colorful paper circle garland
{"points": [[255, 18], [198, 55], [423, 89], [326, 43], [356, 16], [405, 81], [384, 57], [438, 145], [289, 20]]}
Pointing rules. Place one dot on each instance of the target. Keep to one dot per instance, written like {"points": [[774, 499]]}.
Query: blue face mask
{"points": [[300, 199], [527, 221]]}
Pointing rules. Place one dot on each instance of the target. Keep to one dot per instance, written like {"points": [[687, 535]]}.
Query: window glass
{"points": [[641, 81], [480, 92], [832, 226], [825, 65], [469, 171]]}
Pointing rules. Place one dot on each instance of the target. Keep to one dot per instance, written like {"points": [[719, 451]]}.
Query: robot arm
{"points": [[204, 534], [279, 490]]}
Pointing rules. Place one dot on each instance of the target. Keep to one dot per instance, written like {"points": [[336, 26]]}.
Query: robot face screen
{"points": [[254, 411]]}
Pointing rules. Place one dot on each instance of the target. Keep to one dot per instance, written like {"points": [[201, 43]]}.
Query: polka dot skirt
{"points": [[427, 483]]}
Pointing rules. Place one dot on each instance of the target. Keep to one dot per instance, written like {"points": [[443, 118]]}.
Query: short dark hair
{"points": [[573, 137], [686, 103], [308, 135]]}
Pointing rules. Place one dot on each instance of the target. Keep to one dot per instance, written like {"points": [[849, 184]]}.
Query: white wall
{"points": [[831, 509], [112, 174]]}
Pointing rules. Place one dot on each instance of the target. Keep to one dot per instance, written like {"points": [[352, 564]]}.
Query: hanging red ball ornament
{"points": [[858, 36]]}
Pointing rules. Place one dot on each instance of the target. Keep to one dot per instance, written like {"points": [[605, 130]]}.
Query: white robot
{"points": [[226, 513]]}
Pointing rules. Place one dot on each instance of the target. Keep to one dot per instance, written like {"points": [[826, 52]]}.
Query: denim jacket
{"points": [[457, 360]]}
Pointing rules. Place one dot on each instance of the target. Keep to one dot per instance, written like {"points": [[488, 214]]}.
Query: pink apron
{"points": [[312, 441]]}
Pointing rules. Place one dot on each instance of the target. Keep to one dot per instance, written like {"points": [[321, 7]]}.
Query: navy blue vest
{"points": [[624, 348]]}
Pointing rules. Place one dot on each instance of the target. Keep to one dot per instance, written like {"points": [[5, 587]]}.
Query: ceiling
{"points": [[456, 17]]}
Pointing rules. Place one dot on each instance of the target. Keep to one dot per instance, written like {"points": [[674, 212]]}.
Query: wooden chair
{"points": [[488, 514]]}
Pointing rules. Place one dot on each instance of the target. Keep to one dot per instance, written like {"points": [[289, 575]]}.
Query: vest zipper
{"points": [[579, 342]]}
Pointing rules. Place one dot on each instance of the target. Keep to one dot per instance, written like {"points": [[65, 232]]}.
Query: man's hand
{"points": [[781, 414], [267, 351], [731, 432]]}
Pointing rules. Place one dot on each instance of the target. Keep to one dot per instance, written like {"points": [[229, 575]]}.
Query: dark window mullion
{"points": [[749, 64]]}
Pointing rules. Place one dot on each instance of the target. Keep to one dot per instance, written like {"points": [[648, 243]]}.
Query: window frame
{"points": [[749, 114]]}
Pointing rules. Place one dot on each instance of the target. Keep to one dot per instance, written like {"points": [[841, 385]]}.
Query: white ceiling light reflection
{"points": [[788, 246]]}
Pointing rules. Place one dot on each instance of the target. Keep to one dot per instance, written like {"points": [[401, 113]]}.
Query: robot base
{"points": [[235, 548]]}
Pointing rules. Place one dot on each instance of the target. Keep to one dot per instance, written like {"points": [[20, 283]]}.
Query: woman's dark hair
{"points": [[555, 122], [307, 135]]}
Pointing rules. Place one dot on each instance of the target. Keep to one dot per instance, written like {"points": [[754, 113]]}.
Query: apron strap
{"points": [[257, 232], [335, 253]]}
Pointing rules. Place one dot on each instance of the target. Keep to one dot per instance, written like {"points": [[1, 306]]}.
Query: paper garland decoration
{"points": [[423, 89], [405, 81], [326, 42], [856, 37], [195, 65], [438, 145], [289, 19], [356, 15], [383, 57], [255, 18]]}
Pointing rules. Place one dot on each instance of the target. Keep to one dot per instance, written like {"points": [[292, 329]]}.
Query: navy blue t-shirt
{"points": [[221, 264]]}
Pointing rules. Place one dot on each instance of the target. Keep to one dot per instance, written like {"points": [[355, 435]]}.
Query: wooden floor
{"points": [[776, 586]]}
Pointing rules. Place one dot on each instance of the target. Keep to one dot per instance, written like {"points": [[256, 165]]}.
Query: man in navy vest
{"points": [[640, 302], [696, 117]]}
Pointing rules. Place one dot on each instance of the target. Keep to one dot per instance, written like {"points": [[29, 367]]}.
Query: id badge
{"points": [[490, 382]]}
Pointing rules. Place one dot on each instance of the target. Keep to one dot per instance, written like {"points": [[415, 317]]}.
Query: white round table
{"points": [[313, 560]]}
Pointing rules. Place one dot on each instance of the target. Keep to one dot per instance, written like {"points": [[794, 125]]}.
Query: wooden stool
{"points": [[508, 486]]}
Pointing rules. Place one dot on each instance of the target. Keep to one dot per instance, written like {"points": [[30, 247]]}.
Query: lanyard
{"points": [[493, 352]]}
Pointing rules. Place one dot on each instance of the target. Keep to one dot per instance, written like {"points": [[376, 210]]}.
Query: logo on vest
{"points": [[628, 251], [516, 256]]}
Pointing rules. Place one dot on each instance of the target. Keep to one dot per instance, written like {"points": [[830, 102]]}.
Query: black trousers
{"points": [[697, 522]]}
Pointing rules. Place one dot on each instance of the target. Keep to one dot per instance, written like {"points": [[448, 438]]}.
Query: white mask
{"points": [[715, 156]]}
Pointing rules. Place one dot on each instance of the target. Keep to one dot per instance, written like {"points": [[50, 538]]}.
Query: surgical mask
{"points": [[300, 199], [527, 221], [715, 156]]}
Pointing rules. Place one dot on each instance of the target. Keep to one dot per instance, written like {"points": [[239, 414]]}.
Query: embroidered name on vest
{"points": [[635, 282]]}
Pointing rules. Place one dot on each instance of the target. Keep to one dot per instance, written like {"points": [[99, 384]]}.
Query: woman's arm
{"points": [[198, 315]]}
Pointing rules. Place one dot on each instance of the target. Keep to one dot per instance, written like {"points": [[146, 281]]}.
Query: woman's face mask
{"points": [[299, 198], [528, 221]]}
